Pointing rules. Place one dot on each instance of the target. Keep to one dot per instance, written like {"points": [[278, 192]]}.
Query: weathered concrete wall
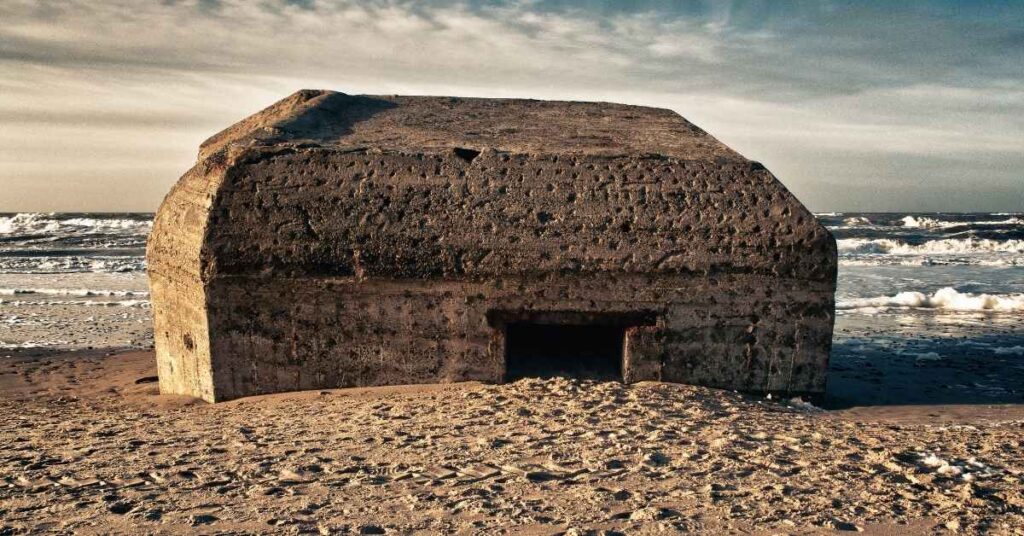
{"points": [[177, 285], [324, 211], [291, 334], [364, 241]]}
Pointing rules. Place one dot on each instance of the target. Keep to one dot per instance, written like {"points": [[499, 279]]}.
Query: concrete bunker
{"points": [[335, 240]]}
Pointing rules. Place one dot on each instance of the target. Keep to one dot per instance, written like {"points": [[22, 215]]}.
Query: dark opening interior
{"points": [[577, 350], [466, 154]]}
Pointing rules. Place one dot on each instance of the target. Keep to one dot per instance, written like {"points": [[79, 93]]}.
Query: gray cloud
{"points": [[827, 94]]}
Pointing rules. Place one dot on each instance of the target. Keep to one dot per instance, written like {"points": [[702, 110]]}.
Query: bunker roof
{"points": [[324, 184], [436, 124]]}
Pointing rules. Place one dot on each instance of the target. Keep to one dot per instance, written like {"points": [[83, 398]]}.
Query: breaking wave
{"points": [[81, 303], [856, 221], [945, 246], [946, 260], [947, 298], [923, 222], [34, 223], [81, 293], [73, 264]]}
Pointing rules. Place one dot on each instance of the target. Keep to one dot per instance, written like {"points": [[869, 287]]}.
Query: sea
{"points": [[929, 306]]}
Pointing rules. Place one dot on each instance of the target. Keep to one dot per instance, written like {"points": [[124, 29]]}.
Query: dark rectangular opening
{"points": [[577, 344], [585, 351]]}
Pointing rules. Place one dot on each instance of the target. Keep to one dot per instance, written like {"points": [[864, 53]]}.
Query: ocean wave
{"points": [[947, 298], [945, 246], [21, 223], [82, 303], [923, 222], [36, 223], [856, 221], [75, 264], [945, 260], [81, 293], [4, 345], [108, 223], [911, 221]]}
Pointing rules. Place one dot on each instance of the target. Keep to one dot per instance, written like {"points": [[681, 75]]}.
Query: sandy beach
{"points": [[92, 448], [503, 267]]}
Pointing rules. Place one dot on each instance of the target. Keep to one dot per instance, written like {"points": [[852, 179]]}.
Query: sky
{"points": [[855, 106]]}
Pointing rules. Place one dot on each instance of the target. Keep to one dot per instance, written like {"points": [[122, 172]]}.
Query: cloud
{"points": [[115, 84]]}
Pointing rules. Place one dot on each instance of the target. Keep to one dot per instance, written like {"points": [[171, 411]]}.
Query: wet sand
{"points": [[89, 446], [926, 358]]}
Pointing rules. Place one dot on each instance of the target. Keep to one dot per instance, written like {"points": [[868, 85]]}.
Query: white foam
{"points": [[995, 260], [856, 221], [83, 293], [1008, 261], [910, 221], [926, 357], [20, 223], [945, 299], [946, 246], [107, 223], [34, 223], [922, 222], [1009, 350], [83, 303], [49, 265], [801, 404], [967, 469], [1011, 221], [4, 345]]}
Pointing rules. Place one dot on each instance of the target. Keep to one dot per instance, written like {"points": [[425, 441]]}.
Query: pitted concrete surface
{"points": [[336, 240]]}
